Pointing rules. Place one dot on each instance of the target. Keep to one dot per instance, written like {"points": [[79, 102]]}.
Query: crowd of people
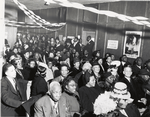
{"points": [[46, 77]]}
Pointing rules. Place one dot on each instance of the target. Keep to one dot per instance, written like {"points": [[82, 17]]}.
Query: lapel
{"points": [[19, 88], [61, 107], [11, 86], [47, 107]]}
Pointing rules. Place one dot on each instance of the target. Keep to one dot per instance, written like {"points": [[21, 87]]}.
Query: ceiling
{"points": [[39, 4]]}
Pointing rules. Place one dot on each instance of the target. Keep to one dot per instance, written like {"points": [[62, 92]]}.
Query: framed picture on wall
{"points": [[132, 44]]}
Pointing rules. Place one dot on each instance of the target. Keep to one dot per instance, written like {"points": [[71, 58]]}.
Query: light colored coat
{"points": [[43, 107]]}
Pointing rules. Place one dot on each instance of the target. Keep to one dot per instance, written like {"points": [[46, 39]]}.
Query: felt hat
{"points": [[76, 60], [95, 63], [106, 75], [144, 72], [120, 91]]}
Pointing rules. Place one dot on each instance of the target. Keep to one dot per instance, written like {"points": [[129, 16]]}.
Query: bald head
{"points": [[55, 90]]}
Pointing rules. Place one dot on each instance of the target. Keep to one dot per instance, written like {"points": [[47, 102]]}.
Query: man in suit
{"points": [[52, 104], [76, 45], [131, 85], [89, 46], [123, 62], [13, 94]]}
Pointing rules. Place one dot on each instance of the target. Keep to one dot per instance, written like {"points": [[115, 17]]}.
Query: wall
{"points": [[105, 28], [11, 15]]}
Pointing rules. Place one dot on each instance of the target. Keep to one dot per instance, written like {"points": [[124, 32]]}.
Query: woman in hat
{"points": [[124, 101], [108, 83]]}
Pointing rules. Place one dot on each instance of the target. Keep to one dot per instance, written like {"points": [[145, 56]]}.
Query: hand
{"points": [[144, 100], [23, 102]]}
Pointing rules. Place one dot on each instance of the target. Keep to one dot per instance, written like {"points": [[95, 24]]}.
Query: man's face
{"points": [[11, 72], [56, 93], [108, 59], [127, 72], [92, 81], [32, 64], [27, 55], [64, 71], [139, 62], [96, 68]]}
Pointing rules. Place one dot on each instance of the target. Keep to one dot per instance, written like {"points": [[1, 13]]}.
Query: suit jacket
{"points": [[89, 47], [39, 86], [10, 98], [43, 107], [131, 86], [77, 47], [131, 110], [135, 70]]}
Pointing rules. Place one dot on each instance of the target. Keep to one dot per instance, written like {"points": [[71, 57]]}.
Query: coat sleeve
{"points": [[38, 110], [6, 97], [42, 87], [85, 102]]}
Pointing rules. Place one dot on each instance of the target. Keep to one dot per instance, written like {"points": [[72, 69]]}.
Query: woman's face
{"points": [[71, 86], [92, 81], [122, 103], [11, 72], [96, 68], [64, 71]]}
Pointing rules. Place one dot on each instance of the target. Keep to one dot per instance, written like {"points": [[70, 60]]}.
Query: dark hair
{"points": [[64, 65], [136, 60], [67, 81], [14, 62], [87, 76], [5, 68]]}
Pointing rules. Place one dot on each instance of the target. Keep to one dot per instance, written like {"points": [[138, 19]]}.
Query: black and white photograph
{"points": [[132, 44]]}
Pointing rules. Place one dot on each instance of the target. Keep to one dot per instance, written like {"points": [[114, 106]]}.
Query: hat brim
{"points": [[120, 96]]}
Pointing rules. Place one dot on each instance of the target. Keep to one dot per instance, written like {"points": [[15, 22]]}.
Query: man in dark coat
{"points": [[39, 84], [76, 45], [131, 85], [89, 46], [13, 93]]}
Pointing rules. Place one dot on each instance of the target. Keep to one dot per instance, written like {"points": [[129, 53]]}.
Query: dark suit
{"points": [[39, 86], [77, 47], [135, 70], [131, 110], [106, 66], [132, 88], [10, 98], [89, 47]]}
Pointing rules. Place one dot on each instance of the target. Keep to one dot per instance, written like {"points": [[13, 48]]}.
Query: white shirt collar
{"points": [[12, 82]]}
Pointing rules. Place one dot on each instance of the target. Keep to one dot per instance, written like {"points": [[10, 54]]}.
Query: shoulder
{"points": [[83, 89], [57, 78], [4, 80], [43, 100]]}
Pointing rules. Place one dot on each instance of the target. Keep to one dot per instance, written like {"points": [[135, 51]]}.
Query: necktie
{"points": [[55, 108], [16, 87]]}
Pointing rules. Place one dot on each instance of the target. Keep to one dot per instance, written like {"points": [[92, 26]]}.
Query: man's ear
{"points": [[6, 73], [66, 86]]}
